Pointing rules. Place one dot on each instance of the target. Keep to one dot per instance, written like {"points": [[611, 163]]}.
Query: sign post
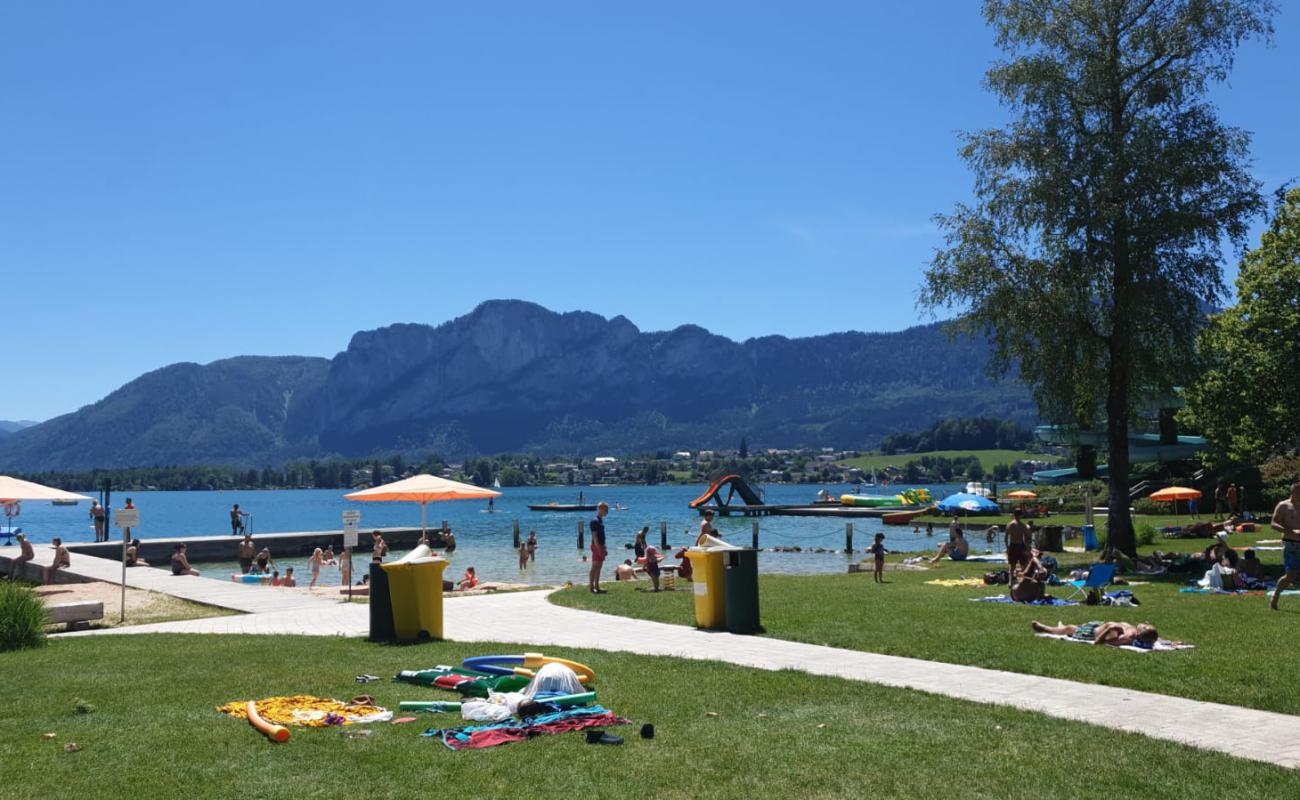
{"points": [[127, 518], [351, 522]]}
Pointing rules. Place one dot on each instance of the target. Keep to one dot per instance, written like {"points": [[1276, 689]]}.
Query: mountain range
{"points": [[513, 376]]}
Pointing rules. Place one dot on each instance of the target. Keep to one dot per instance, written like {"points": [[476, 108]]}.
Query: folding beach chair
{"points": [[1099, 577]]}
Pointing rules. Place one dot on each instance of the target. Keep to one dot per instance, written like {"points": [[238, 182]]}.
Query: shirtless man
{"points": [[246, 552], [1018, 541], [62, 560], [25, 554], [381, 547], [1286, 521], [1116, 634], [706, 527]]}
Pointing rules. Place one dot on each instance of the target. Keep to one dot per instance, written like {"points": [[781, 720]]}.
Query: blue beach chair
{"points": [[1099, 577]]}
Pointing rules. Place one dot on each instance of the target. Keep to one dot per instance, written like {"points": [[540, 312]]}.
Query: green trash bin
{"points": [[741, 570], [381, 606]]}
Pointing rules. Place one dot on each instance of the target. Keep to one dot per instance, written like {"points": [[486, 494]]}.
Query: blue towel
{"points": [[1046, 601]]}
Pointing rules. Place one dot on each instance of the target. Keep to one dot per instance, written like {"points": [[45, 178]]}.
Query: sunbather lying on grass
{"points": [[1117, 634]]}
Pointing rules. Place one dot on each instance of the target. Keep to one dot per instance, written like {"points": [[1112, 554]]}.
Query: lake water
{"points": [[484, 539]]}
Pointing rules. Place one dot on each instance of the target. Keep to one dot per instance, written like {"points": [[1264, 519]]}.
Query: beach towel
{"points": [[481, 736], [957, 582], [1238, 592], [1161, 645], [995, 558], [1046, 601]]}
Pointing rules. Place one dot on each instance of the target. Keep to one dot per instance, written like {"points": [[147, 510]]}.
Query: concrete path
{"points": [[528, 618], [248, 598]]}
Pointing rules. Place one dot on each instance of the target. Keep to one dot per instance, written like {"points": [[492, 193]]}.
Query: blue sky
{"points": [[186, 182]]}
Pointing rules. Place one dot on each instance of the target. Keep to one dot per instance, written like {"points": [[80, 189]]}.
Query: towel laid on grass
{"points": [[1238, 592], [1161, 645], [957, 582], [1046, 601]]}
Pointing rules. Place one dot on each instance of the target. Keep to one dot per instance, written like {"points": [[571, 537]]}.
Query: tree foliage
{"points": [[977, 433], [1100, 208], [1248, 401]]}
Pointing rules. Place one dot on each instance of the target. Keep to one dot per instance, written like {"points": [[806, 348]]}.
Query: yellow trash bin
{"points": [[710, 592], [415, 587]]}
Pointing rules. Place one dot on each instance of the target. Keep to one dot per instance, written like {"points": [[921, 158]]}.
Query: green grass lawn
{"points": [[988, 458], [155, 733], [1240, 643]]}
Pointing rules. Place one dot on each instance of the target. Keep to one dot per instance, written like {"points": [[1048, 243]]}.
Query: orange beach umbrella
{"points": [[1022, 494], [1172, 494], [423, 489]]}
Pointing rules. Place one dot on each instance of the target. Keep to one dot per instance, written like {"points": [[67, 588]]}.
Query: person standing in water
{"points": [[598, 550]]}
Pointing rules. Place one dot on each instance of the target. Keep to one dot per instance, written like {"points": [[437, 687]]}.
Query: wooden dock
{"points": [[805, 510], [226, 548]]}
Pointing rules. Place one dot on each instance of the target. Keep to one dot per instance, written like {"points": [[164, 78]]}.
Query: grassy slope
{"points": [[988, 458], [1237, 638], [155, 734]]}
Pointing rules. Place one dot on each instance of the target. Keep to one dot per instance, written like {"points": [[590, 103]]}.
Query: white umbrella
{"points": [[423, 489], [12, 490]]}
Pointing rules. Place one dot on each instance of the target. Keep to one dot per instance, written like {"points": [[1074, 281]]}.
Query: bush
{"points": [[22, 617], [1146, 533]]}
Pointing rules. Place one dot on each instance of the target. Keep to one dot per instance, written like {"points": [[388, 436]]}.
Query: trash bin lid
{"points": [[712, 543]]}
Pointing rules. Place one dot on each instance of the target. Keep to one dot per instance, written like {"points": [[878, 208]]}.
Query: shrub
{"points": [[1147, 533], [22, 617]]}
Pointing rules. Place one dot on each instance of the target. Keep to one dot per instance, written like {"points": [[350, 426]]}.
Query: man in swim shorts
{"points": [[1286, 521], [246, 552], [598, 550], [25, 554], [957, 549], [1116, 634], [1018, 539]]}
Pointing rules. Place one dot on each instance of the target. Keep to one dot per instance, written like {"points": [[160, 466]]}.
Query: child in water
{"points": [[523, 558], [289, 580], [878, 552]]}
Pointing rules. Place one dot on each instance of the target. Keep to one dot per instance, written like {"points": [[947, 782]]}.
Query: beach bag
{"points": [[999, 577]]}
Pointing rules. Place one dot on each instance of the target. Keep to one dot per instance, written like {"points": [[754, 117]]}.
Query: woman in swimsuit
{"points": [[1116, 634], [314, 563]]}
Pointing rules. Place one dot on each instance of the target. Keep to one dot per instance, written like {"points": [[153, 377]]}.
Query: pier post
{"points": [[755, 534], [663, 536], [582, 530], [848, 537], [516, 534]]}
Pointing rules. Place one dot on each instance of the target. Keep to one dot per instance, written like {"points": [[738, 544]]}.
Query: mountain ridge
{"points": [[514, 376]]}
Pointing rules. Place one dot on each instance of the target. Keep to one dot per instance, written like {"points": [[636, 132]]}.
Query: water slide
{"points": [[1142, 447], [738, 487]]}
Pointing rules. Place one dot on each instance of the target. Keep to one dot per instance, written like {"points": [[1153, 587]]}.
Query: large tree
{"points": [[1095, 234], [1248, 401]]}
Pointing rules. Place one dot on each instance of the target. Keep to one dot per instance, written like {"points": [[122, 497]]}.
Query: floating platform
{"points": [[563, 507], [808, 510], [158, 550]]}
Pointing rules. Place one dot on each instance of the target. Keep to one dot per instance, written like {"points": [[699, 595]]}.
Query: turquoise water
{"points": [[484, 539]]}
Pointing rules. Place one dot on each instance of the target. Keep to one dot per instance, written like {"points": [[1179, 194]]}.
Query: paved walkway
{"points": [[248, 598], [528, 618]]}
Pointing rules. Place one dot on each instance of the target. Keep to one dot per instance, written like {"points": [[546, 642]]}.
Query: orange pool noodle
{"points": [[276, 733]]}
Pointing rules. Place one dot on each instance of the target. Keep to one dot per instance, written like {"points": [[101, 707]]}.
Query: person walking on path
{"points": [[1018, 541], [25, 554], [1218, 502], [100, 519], [237, 520], [1286, 521], [598, 550], [247, 550]]}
